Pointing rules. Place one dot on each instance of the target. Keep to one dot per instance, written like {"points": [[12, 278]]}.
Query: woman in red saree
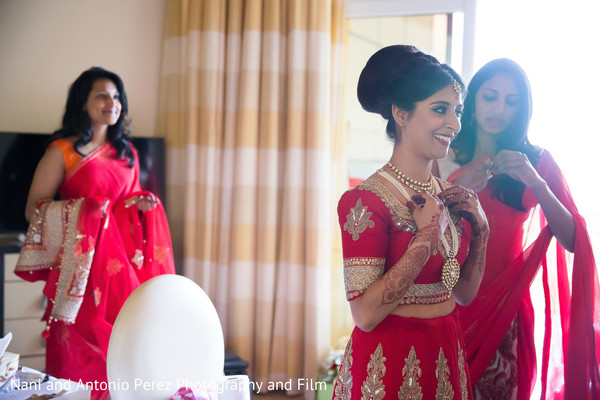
{"points": [[101, 240], [493, 156], [413, 245]]}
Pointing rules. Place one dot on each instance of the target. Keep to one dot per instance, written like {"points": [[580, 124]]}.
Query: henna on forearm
{"points": [[464, 203], [399, 278], [476, 258], [430, 233], [403, 273]]}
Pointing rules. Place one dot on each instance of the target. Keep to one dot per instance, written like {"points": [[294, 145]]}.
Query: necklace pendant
{"points": [[450, 273]]}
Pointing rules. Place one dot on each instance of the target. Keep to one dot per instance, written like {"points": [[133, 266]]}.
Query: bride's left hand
{"points": [[464, 202]]}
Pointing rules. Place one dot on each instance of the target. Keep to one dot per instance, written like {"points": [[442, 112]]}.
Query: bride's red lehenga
{"points": [[93, 248], [499, 324], [402, 357]]}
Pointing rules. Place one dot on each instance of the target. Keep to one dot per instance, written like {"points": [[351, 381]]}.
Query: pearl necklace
{"points": [[451, 267], [415, 185]]}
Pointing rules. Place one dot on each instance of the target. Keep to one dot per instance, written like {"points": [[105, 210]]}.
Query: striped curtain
{"points": [[251, 110]]}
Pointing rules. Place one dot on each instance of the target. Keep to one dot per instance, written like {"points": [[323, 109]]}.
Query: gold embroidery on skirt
{"points": [[343, 388], [373, 387], [463, 374], [358, 220], [442, 372], [411, 390]]}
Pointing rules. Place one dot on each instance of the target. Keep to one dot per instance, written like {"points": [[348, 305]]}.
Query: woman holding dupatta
{"points": [[492, 156], [101, 239]]}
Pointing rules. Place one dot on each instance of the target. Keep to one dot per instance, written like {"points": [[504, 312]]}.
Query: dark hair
{"points": [[76, 121], [401, 75], [506, 189]]}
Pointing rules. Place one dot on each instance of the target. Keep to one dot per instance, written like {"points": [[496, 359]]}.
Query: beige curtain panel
{"points": [[251, 110]]}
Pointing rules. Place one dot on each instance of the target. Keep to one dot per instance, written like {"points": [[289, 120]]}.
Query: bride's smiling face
{"points": [[434, 122]]}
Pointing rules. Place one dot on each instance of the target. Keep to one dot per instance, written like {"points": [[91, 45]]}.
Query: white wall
{"points": [[46, 44]]}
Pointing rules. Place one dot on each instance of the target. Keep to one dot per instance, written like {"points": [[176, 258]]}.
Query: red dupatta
{"points": [[571, 348]]}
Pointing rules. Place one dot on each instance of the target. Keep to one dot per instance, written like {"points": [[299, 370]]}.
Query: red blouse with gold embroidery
{"points": [[376, 230]]}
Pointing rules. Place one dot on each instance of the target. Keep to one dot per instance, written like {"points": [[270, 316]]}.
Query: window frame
{"points": [[391, 8]]}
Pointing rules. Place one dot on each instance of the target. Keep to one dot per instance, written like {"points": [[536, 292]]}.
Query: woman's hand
{"points": [[464, 202], [428, 213], [144, 202], [517, 166], [476, 176]]}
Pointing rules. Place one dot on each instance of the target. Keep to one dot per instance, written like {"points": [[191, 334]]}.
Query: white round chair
{"points": [[166, 336]]}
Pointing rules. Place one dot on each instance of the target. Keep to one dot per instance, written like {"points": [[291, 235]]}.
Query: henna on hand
{"points": [[455, 194], [465, 212], [431, 233], [465, 203], [426, 212], [402, 274], [418, 200]]}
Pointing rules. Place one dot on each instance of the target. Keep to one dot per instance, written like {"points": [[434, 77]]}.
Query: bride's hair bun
{"points": [[401, 75]]}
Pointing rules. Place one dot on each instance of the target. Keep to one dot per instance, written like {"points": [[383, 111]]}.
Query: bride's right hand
{"points": [[429, 213]]}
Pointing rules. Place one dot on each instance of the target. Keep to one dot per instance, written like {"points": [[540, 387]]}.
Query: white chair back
{"points": [[167, 335]]}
